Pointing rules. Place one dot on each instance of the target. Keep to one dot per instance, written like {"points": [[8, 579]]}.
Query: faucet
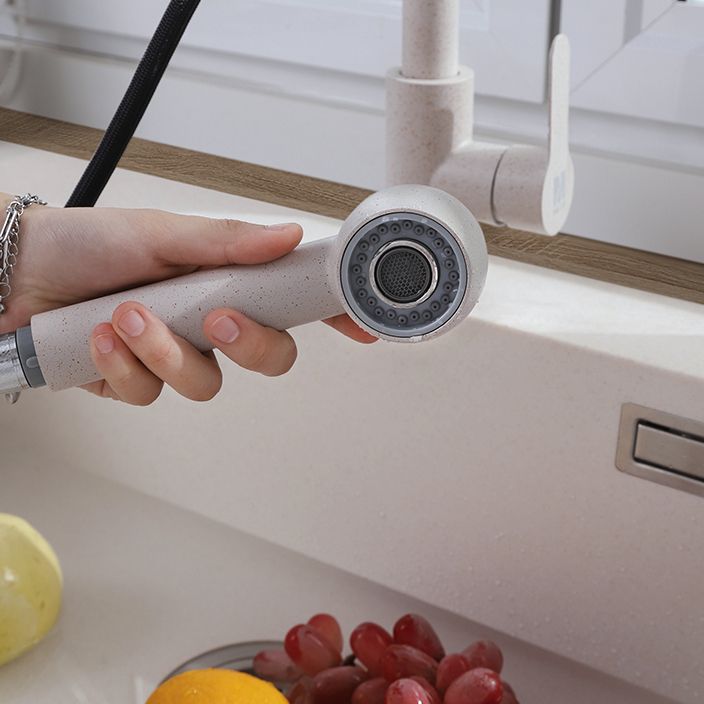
{"points": [[430, 125]]}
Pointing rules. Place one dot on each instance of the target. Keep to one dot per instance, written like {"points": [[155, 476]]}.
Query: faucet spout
{"points": [[430, 129], [430, 39]]}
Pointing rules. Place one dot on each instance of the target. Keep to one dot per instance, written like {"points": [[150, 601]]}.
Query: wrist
{"points": [[17, 309]]}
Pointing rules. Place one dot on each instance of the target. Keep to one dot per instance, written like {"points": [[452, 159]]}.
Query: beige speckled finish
{"points": [[430, 130], [426, 121], [299, 288], [446, 210], [291, 291], [532, 191], [468, 174], [429, 139], [430, 38]]}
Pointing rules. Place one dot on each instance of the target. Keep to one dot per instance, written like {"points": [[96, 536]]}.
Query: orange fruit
{"points": [[216, 687]]}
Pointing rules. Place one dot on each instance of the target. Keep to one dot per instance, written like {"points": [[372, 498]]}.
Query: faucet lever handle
{"points": [[534, 185], [559, 99]]}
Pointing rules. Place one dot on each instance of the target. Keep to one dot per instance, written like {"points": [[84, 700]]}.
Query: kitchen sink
{"points": [[472, 479], [149, 585]]}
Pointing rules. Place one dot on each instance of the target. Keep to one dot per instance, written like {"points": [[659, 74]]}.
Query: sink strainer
{"points": [[238, 656]]}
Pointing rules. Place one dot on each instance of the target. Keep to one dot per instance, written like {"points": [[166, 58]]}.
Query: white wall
{"points": [[303, 91]]}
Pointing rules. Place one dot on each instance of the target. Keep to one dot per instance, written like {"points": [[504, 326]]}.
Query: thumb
{"points": [[186, 240]]}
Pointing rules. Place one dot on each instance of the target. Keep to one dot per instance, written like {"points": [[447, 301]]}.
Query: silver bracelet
{"points": [[9, 249]]}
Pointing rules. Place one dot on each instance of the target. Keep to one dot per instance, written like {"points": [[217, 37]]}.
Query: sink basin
{"points": [[475, 474], [149, 585]]}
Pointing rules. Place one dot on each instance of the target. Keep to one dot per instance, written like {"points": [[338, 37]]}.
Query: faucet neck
{"points": [[430, 39]]}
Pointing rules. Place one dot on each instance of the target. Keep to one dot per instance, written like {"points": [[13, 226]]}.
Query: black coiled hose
{"points": [[134, 104]]}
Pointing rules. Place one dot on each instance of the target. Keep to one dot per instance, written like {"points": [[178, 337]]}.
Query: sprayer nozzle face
{"points": [[404, 274]]}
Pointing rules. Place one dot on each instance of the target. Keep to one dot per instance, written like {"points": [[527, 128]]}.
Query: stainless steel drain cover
{"points": [[238, 656]]}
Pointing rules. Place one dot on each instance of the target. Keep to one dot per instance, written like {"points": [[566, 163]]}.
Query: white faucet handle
{"points": [[534, 186], [559, 99]]}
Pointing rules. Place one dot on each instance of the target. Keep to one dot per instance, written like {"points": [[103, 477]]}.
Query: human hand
{"points": [[72, 255]]}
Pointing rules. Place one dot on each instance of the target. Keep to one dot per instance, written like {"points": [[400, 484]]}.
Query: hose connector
{"points": [[12, 377]]}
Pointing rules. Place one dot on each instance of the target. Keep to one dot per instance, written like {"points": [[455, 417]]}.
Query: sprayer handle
{"points": [[296, 289]]}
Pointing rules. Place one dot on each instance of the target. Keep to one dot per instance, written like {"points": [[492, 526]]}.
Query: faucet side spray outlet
{"points": [[408, 264]]}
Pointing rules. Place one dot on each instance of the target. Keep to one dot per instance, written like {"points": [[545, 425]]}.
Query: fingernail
{"points": [[132, 323], [225, 330], [104, 344], [281, 226]]}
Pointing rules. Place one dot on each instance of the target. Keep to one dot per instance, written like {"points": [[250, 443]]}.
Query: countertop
{"points": [[475, 474]]}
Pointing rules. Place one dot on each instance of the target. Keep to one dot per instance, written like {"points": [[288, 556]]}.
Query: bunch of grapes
{"points": [[408, 667]]}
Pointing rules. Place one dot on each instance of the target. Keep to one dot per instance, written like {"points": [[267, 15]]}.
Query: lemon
{"points": [[216, 687], [30, 587]]}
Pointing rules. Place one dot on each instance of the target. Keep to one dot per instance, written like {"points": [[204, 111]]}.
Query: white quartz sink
{"points": [[149, 585], [475, 474]]}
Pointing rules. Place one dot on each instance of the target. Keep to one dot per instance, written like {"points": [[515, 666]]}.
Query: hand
{"points": [[72, 255]]}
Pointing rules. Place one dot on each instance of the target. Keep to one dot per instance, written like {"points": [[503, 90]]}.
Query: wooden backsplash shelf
{"points": [[597, 260]]}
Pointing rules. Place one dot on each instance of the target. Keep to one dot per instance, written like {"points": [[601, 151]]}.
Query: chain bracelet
{"points": [[9, 248]]}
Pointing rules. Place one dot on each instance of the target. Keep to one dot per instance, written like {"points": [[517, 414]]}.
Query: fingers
{"points": [[196, 241], [136, 353], [344, 324], [166, 355], [250, 345], [127, 379]]}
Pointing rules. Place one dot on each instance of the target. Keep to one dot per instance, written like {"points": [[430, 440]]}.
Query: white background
{"points": [[298, 84]]}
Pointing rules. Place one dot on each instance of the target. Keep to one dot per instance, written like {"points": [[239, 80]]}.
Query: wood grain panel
{"points": [[597, 260]]}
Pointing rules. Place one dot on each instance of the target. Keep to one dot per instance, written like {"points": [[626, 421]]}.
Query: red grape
{"points": [[406, 691], [405, 661], [449, 669], [301, 692], [369, 641], [276, 666], [329, 628], [309, 650], [336, 685], [435, 698], [479, 686], [484, 653], [509, 694], [416, 631], [371, 692]]}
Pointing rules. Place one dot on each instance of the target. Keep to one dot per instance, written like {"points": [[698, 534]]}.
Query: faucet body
{"points": [[430, 130]]}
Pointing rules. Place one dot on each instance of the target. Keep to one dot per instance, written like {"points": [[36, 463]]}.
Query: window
{"points": [[640, 59], [638, 104], [505, 40], [637, 119]]}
